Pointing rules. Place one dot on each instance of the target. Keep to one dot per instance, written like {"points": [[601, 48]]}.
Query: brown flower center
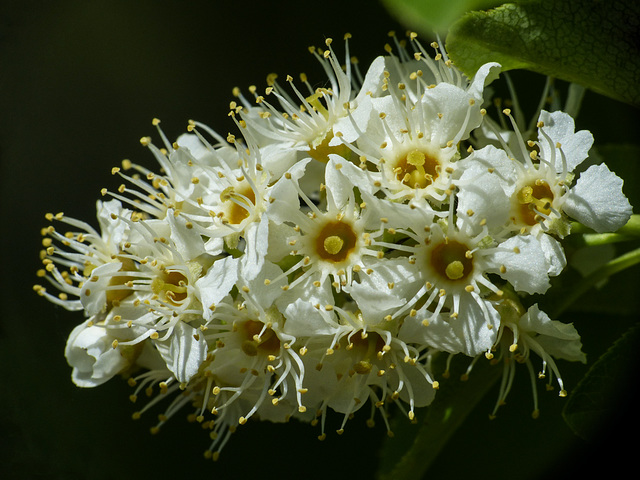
{"points": [[242, 200], [537, 196], [335, 241], [417, 169], [171, 285], [452, 260], [255, 343]]}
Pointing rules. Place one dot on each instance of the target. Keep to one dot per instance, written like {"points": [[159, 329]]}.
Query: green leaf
{"points": [[410, 453], [593, 401], [593, 43], [427, 16]]}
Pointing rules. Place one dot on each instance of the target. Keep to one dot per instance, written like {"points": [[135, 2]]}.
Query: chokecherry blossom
{"points": [[321, 257]]}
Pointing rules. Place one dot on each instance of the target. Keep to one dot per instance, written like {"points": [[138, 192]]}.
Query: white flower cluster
{"points": [[321, 259]]}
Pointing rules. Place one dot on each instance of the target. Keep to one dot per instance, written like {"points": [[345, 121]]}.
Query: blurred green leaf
{"points": [[565, 299], [427, 16], [592, 401], [593, 43], [410, 453]]}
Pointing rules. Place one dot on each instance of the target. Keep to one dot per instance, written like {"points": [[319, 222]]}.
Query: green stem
{"points": [[595, 239], [583, 236], [630, 229], [612, 267]]}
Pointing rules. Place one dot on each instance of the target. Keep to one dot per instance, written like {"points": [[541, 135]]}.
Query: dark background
{"points": [[79, 85]]}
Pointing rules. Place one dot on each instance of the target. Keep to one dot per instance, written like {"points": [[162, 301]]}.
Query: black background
{"points": [[79, 85]]}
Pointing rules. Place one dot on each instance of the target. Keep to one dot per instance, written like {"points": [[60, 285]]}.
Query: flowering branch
{"points": [[333, 254]]}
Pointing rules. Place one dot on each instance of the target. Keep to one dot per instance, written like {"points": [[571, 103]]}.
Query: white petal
{"points": [[526, 265], [560, 340], [372, 294], [358, 177], [486, 74], [445, 112], [338, 186], [351, 126], [350, 388], [184, 352], [469, 333], [304, 320], [487, 175], [264, 294], [257, 242], [477, 324], [279, 247], [188, 242], [422, 390], [191, 142], [597, 200], [90, 352], [286, 206], [554, 253], [217, 283], [560, 127], [493, 161], [322, 295], [372, 84], [113, 231], [94, 293], [398, 215], [277, 159]]}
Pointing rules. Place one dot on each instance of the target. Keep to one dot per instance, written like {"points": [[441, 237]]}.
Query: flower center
{"points": [[335, 241], [417, 169], [258, 339], [172, 286], [116, 295], [451, 260], [366, 347], [320, 150], [534, 199], [242, 200]]}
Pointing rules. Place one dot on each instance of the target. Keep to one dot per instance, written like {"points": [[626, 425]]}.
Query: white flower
{"points": [[411, 132], [81, 252], [90, 353], [414, 146], [364, 359], [305, 122], [419, 72], [523, 333], [451, 270], [529, 189], [330, 243], [251, 368]]}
